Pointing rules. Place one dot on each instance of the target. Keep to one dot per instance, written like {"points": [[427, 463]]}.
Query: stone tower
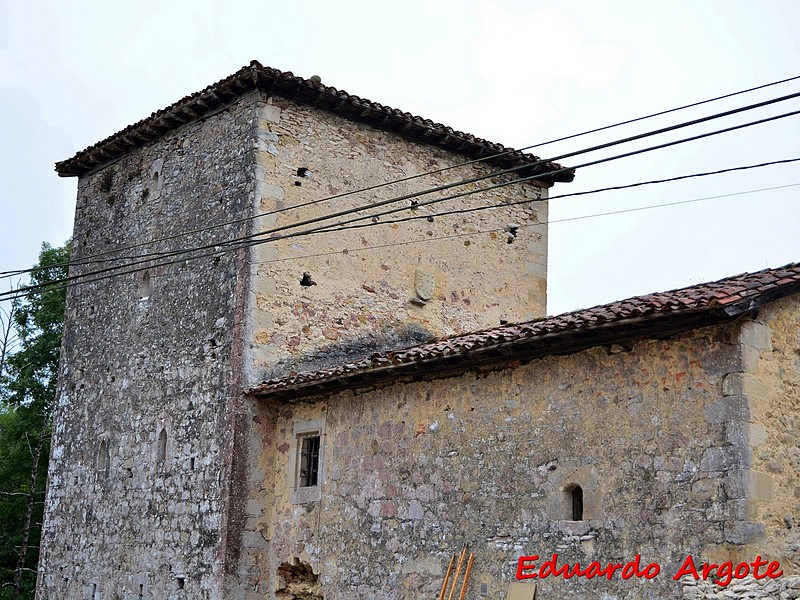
{"points": [[199, 282]]}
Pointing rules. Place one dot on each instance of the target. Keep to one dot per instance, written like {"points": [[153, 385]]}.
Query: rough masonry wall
{"points": [[140, 467], [414, 471], [393, 284], [772, 382]]}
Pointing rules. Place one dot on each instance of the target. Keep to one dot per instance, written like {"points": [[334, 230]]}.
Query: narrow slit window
{"points": [[577, 503], [309, 461], [161, 453], [102, 460], [144, 288], [306, 473]]}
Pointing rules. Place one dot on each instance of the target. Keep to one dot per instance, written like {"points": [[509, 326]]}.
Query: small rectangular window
{"points": [[306, 474], [309, 461]]}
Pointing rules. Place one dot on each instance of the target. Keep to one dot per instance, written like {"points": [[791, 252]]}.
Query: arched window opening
{"points": [[576, 498], [156, 181], [161, 453], [102, 460], [144, 286]]}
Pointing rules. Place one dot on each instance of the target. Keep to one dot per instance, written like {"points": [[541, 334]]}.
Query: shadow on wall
{"points": [[351, 350]]}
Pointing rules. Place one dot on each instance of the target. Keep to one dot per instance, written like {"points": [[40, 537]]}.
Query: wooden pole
{"points": [[447, 577], [466, 576], [458, 571]]}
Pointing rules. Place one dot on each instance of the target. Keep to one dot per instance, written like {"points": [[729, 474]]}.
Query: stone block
{"points": [[721, 359], [265, 253], [728, 408], [253, 539], [725, 458], [736, 483], [756, 335], [270, 113], [415, 510], [760, 486], [737, 509], [271, 193], [704, 489], [750, 357], [737, 433], [746, 384], [743, 532], [265, 285], [535, 269]]}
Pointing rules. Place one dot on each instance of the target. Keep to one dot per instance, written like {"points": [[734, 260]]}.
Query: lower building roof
{"points": [[651, 315]]}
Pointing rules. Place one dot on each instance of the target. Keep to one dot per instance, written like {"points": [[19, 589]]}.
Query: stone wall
{"points": [[165, 482], [414, 471], [148, 484], [141, 462], [772, 349], [362, 291], [784, 588]]}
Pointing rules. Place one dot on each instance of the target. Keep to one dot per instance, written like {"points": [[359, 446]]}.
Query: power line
{"points": [[495, 230], [326, 229], [537, 176], [254, 239], [525, 226], [574, 194], [249, 241], [95, 258], [587, 164]]}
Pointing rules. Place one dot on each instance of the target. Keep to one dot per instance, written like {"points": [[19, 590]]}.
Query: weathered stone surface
{"points": [[749, 587], [364, 299], [167, 482], [493, 471], [133, 367], [773, 482]]}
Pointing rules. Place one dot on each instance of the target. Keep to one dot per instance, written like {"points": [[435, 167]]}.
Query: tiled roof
{"points": [[304, 91], [625, 320]]}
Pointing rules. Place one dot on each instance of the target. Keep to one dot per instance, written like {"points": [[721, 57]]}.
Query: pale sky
{"points": [[515, 72]]}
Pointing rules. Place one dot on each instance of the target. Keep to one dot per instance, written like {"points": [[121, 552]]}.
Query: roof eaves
{"points": [[491, 354], [271, 81], [652, 315]]}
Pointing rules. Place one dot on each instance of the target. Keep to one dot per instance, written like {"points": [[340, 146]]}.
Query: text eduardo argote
{"points": [[530, 567]]}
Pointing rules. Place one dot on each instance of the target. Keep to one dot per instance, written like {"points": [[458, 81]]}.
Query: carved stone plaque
{"points": [[424, 285]]}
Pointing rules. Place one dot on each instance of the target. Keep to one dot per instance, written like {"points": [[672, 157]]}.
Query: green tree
{"points": [[28, 378]]}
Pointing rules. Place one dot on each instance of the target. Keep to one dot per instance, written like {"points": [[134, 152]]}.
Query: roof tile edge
{"points": [[727, 298], [256, 77]]}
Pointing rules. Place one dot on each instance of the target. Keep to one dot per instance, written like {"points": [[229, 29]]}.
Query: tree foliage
{"points": [[28, 379], [32, 370]]}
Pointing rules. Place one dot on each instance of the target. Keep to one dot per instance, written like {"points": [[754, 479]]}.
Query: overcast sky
{"points": [[514, 72]]}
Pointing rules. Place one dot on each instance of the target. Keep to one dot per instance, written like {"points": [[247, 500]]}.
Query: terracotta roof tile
{"points": [[285, 84], [719, 298]]}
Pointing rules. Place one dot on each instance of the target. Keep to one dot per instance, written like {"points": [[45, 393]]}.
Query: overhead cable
{"points": [[108, 273], [96, 257], [255, 238]]}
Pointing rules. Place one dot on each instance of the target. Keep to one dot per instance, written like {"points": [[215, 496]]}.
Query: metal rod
{"points": [[447, 577], [458, 571], [466, 576]]}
